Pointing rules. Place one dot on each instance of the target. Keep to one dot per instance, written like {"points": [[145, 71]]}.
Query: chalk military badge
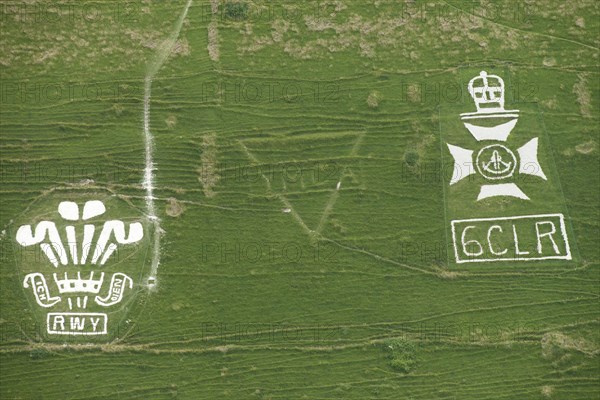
{"points": [[494, 160], [81, 263], [503, 198]]}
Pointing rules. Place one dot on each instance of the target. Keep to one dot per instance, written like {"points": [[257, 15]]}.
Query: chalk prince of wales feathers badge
{"points": [[79, 269]]}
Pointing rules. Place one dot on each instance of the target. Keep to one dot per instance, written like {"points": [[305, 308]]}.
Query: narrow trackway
{"points": [[148, 182]]}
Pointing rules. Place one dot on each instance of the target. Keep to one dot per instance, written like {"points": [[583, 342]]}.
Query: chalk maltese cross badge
{"points": [[493, 159]]}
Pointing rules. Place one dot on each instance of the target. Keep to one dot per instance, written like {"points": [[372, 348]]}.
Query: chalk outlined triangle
{"points": [[333, 194]]}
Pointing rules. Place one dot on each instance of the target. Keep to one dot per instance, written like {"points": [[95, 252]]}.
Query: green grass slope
{"points": [[274, 283]]}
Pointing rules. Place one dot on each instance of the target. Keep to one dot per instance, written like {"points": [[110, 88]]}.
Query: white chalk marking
{"points": [[148, 181], [462, 158], [116, 228], [25, 237], [88, 236], [79, 285], [488, 93], [72, 243], [501, 189], [118, 283], [76, 325], [528, 153], [477, 115], [499, 132], [41, 292], [93, 208], [496, 167], [563, 231], [69, 210]]}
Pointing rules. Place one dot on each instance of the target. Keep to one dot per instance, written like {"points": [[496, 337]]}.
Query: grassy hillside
{"points": [[302, 196]]}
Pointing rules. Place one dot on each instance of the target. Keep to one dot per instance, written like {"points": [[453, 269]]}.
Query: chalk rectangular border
{"points": [[562, 228], [52, 332]]}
